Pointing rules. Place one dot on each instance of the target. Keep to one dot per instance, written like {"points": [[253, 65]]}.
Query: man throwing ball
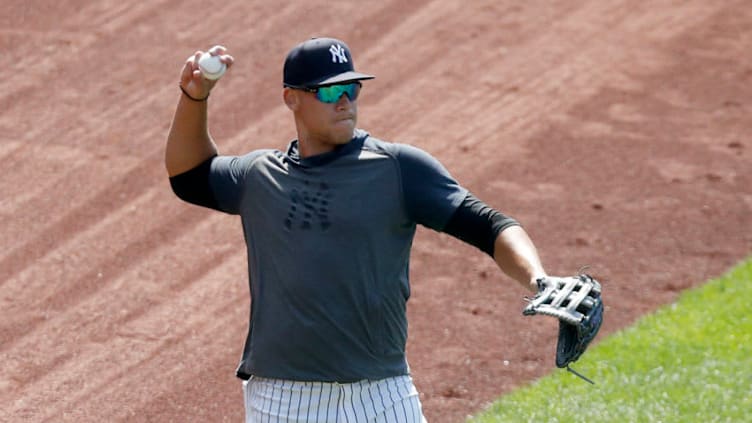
{"points": [[329, 223]]}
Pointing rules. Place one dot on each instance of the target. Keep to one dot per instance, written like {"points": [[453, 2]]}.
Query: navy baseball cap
{"points": [[320, 61]]}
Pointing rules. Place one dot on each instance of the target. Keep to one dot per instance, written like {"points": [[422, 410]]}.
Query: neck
{"points": [[314, 144], [308, 147]]}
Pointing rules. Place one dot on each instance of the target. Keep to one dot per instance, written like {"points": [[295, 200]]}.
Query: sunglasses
{"points": [[332, 93]]}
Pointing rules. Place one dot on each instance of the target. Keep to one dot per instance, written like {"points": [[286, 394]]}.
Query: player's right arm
{"points": [[189, 143]]}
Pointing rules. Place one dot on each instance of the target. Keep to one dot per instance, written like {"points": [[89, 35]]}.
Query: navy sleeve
{"points": [[478, 224], [217, 183], [193, 186], [430, 193]]}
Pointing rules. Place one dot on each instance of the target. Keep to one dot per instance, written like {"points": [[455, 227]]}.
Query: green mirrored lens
{"points": [[332, 93]]}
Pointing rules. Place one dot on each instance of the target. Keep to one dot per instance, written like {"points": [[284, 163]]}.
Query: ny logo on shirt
{"points": [[308, 205], [338, 53]]}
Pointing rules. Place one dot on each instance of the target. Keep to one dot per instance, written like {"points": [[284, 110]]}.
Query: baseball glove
{"points": [[576, 302]]}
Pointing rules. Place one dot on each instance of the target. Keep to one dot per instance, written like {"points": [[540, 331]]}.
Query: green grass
{"points": [[690, 361]]}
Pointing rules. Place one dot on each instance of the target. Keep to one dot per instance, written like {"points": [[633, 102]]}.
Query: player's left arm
{"points": [[499, 236], [436, 200], [516, 255]]}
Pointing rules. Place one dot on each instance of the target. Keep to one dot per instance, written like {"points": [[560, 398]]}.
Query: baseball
{"points": [[211, 67]]}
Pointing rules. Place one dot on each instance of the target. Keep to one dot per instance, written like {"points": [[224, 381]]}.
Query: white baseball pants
{"points": [[391, 400]]}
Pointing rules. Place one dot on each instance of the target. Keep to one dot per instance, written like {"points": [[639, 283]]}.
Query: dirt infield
{"points": [[618, 132]]}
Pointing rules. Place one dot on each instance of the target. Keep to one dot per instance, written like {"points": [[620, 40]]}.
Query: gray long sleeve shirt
{"points": [[328, 241]]}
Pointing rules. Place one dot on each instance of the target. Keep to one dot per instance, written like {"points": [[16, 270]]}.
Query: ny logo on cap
{"points": [[338, 53]]}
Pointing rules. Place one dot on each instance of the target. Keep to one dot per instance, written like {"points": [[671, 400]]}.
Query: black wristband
{"points": [[192, 98]]}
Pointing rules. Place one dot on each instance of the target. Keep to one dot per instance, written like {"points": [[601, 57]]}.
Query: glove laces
{"points": [[580, 375]]}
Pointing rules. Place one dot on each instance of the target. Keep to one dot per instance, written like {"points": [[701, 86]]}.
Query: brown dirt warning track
{"points": [[618, 132]]}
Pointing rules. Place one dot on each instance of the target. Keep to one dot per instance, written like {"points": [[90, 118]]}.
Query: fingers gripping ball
{"points": [[211, 66], [576, 302]]}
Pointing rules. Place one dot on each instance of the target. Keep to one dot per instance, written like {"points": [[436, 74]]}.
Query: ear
{"points": [[291, 98]]}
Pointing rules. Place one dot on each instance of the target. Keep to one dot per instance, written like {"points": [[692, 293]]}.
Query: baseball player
{"points": [[329, 223]]}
